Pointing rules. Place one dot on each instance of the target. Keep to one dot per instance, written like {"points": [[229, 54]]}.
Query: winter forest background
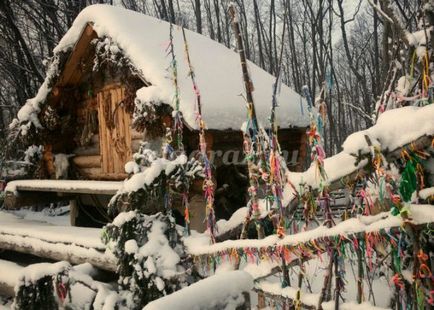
{"points": [[341, 44]]}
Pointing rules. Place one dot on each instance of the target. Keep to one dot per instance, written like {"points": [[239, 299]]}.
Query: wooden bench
{"points": [[22, 193]]}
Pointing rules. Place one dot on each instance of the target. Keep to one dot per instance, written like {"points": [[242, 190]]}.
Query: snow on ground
{"points": [[275, 288], [218, 71], [351, 306], [56, 216], [315, 271]]}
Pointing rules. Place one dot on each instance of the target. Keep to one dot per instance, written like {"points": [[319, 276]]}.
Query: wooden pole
{"points": [[300, 284], [73, 211], [337, 281], [204, 145], [359, 275], [253, 141], [324, 296]]}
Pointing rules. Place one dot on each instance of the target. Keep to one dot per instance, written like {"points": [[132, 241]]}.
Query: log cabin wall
{"points": [[292, 141], [231, 180]]}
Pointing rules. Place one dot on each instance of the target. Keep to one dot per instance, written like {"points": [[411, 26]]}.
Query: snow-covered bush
{"points": [[152, 261], [153, 179], [37, 286]]}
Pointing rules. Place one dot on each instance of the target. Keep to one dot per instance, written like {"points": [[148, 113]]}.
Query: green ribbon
{"points": [[408, 184]]}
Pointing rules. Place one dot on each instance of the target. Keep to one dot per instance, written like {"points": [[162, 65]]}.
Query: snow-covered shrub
{"points": [[151, 256], [152, 181], [108, 55], [152, 261], [32, 159], [149, 111], [38, 286]]}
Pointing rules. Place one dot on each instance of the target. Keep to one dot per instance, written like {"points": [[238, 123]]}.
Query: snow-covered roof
{"points": [[144, 40]]}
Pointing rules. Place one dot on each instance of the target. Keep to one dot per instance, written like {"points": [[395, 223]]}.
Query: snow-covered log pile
{"points": [[74, 244]]}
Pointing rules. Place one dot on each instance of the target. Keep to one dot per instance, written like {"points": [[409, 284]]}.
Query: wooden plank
{"points": [[128, 126], [115, 143], [114, 160], [102, 132], [93, 161], [103, 191], [119, 130], [78, 52], [100, 129], [110, 145]]}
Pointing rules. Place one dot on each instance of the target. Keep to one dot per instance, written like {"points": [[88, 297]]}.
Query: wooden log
{"points": [[87, 150], [102, 131], [92, 161], [58, 251], [107, 176], [91, 171]]}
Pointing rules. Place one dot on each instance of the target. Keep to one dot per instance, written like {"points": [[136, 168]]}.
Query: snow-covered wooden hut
{"points": [[108, 88]]}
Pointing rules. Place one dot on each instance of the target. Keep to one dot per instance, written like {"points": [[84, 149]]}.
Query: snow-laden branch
{"points": [[349, 229]]}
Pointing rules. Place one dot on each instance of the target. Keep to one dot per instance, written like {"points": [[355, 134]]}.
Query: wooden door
{"points": [[114, 130]]}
